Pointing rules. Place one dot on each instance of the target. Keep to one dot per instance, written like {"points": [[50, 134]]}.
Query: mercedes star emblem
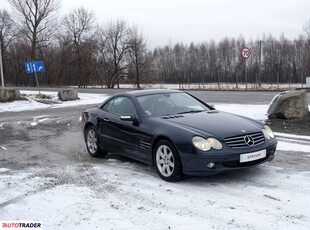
{"points": [[249, 140]]}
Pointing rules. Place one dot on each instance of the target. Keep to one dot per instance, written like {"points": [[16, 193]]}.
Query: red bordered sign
{"points": [[245, 53]]}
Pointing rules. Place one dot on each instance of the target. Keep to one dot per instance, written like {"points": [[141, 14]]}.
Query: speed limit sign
{"points": [[245, 53]]}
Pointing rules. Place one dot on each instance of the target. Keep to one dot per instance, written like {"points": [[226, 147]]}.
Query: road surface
{"points": [[242, 97], [47, 175]]}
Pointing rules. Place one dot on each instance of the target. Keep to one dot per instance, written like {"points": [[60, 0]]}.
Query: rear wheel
{"points": [[167, 161], [92, 143]]}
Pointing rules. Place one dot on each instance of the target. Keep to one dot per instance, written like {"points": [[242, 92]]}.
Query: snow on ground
{"points": [[32, 104], [257, 112], [285, 146], [131, 196], [210, 86], [121, 197]]}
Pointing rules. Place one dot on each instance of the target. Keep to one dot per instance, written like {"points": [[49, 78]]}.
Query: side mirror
{"points": [[212, 106], [134, 120]]}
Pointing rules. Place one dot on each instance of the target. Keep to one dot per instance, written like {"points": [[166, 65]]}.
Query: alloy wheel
{"points": [[165, 160], [92, 141]]}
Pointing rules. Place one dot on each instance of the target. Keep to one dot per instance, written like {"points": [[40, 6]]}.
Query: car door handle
{"points": [[106, 119]]}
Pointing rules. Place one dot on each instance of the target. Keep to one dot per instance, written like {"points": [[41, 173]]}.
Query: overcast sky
{"points": [[171, 21]]}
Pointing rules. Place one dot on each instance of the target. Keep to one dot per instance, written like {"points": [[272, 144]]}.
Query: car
{"points": [[177, 133]]}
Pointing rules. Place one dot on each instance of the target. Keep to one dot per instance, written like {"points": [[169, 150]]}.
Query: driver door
{"points": [[122, 136]]}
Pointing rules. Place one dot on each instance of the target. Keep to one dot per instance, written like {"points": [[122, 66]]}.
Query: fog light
{"points": [[210, 165]]}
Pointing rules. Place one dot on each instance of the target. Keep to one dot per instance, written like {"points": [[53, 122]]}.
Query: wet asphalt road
{"points": [[54, 135], [43, 150], [27, 133], [232, 97]]}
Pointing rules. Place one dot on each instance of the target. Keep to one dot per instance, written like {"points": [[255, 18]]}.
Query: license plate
{"points": [[252, 156]]}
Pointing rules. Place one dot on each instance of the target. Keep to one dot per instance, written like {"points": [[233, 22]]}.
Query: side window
{"points": [[126, 107], [116, 105], [121, 106], [108, 106]]}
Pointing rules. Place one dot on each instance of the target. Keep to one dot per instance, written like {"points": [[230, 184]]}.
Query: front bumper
{"points": [[197, 164]]}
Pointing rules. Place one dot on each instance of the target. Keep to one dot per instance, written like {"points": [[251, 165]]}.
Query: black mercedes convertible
{"points": [[177, 133]]}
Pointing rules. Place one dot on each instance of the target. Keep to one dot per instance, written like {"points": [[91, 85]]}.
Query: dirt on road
{"points": [[47, 175]]}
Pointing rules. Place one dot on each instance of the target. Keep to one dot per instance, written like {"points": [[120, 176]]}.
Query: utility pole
{"points": [[260, 63], [302, 78], [1, 68]]}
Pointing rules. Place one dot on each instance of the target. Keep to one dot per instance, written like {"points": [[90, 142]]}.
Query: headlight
{"points": [[206, 144], [267, 132]]}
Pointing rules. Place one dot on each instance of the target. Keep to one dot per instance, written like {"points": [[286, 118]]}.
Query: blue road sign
{"points": [[34, 67], [28, 67]]}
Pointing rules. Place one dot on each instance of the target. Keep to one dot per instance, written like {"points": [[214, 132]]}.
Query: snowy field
{"points": [[211, 86], [32, 104], [115, 194]]}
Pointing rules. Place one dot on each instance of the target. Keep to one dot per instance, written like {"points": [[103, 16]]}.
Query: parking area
{"points": [[47, 175]]}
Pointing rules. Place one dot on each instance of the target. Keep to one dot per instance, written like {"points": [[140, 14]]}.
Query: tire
{"points": [[167, 161], [92, 143]]}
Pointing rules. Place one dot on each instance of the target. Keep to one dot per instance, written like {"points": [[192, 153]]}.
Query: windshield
{"points": [[164, 104]]}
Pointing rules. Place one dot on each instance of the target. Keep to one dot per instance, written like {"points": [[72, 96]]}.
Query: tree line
{"points": [[77, 51], [271, 61]]}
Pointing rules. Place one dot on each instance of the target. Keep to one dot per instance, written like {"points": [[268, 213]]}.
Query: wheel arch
{"points": [[156, 141], [86, 126]]}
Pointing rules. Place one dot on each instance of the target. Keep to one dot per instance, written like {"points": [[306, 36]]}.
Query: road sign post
{"points": [[35, 73], [245, 54], [35, 67]]}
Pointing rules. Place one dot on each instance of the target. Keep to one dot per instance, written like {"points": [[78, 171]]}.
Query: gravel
{"points": [[297, 126]]}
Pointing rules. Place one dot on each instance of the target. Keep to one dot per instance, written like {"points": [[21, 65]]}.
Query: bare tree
{"points": [[35, 20], [203, 61], [113, 52], [307, 48], [79, 25], [179, 54], [306, 28], [7, 34], [137, 54], [7, 30], [79, 28]]}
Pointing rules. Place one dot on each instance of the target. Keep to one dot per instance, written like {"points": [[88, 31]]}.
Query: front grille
{"points": [[245, 141]]}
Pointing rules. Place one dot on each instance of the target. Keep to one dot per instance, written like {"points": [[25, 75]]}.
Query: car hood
{"points": [[216, 123]]}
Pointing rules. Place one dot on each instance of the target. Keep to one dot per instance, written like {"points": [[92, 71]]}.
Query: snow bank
{"points": [[32, 104]]}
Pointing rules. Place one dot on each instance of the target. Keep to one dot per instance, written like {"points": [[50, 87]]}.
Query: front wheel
{"points": [[167, 161], [92, 143]]}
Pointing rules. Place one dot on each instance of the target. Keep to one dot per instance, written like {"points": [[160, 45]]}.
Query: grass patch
{"points": [[43, 97], [14, 99]]}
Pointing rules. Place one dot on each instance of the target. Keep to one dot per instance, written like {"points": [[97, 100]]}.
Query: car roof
{"points": [[144, 92]]}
